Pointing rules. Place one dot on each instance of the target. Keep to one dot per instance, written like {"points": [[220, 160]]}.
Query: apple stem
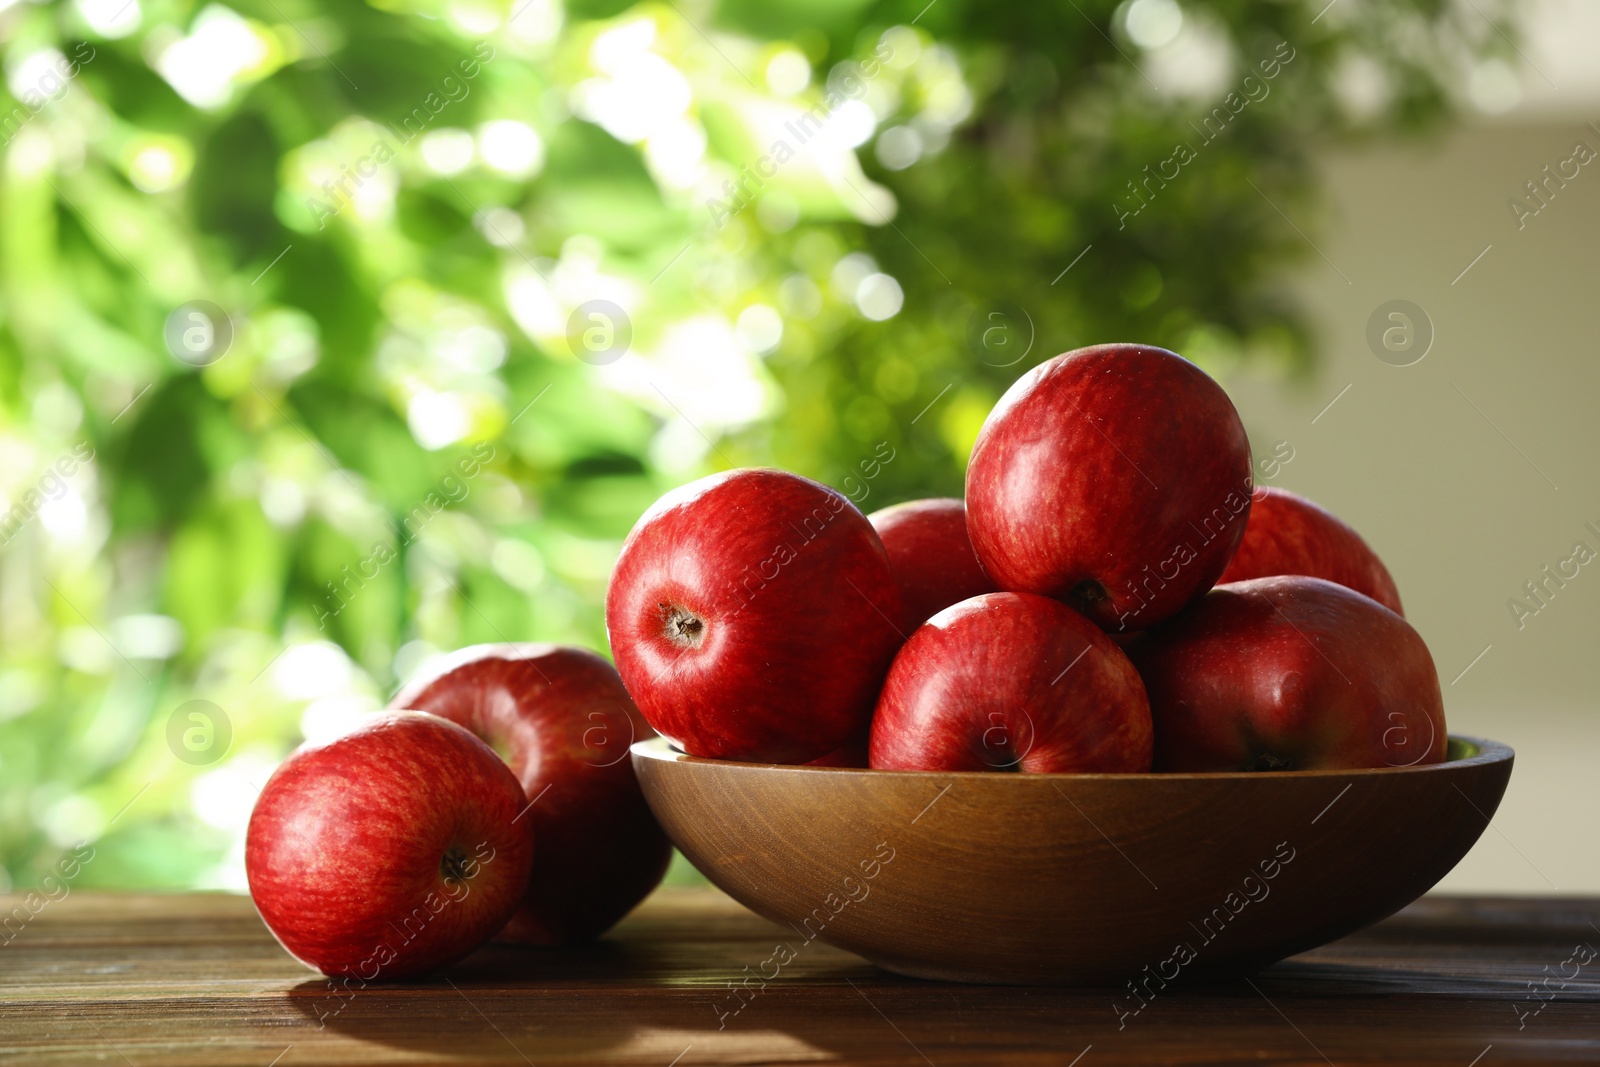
{"points": [[1086, 593]]}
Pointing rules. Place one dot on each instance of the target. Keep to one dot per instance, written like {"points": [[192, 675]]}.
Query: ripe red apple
{"points": [[1011, 681], [753, 615], [931, 556], [563, 721], [1115, 478], [1290, 673], [1288, 534], [395, 849]]}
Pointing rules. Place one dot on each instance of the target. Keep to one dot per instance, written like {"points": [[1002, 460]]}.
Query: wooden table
{"points": [[176, 980]]}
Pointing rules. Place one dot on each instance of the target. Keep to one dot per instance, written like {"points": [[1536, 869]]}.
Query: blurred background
{"points": [[337, 335]]}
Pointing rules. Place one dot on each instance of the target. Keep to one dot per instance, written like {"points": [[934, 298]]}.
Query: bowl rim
{"points": [[1475, 752]]}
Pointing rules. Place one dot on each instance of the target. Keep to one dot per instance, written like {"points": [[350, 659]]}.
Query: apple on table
{"points": [[392, 850], [562, 719]]}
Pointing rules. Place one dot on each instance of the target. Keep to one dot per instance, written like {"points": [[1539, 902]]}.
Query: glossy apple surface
{"points": [[1114, 478], [1011, 682], [392, 850], [752, 615], [931, 556], [563, 721], [1290, 673], [1288, 534]]}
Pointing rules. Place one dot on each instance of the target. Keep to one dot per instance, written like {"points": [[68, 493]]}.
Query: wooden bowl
{"points": [[1072, 878]]}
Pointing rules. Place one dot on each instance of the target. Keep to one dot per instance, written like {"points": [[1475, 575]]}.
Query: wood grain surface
{"points": [[196, 979]]}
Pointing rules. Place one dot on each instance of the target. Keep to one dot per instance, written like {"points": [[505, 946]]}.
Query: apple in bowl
{"points": [[930, 553], [752, 615], [1288, 534], [1011, 681], [1115, 478], [1290, 673]]}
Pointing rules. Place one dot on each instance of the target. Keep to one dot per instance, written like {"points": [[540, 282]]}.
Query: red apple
{"points": [[1290, 673], [1115, 478], [1288, 534], [753, 615], [563, 721], [931, 556], [395, 849], [1011, 681]]}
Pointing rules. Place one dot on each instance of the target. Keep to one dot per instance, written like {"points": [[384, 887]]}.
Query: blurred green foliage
{"points": [[404, 207]]}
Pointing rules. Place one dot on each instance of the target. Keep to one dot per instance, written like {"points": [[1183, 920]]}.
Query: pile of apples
{"points": [[1113, 596]]}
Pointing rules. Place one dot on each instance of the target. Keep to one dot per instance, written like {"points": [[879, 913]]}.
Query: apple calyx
{"points": [[457, 865], [683, 627]]}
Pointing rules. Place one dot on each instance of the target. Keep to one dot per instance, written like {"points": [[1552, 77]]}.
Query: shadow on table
{"points": [[651, 997], [618, 1002], [615, 1002]]}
